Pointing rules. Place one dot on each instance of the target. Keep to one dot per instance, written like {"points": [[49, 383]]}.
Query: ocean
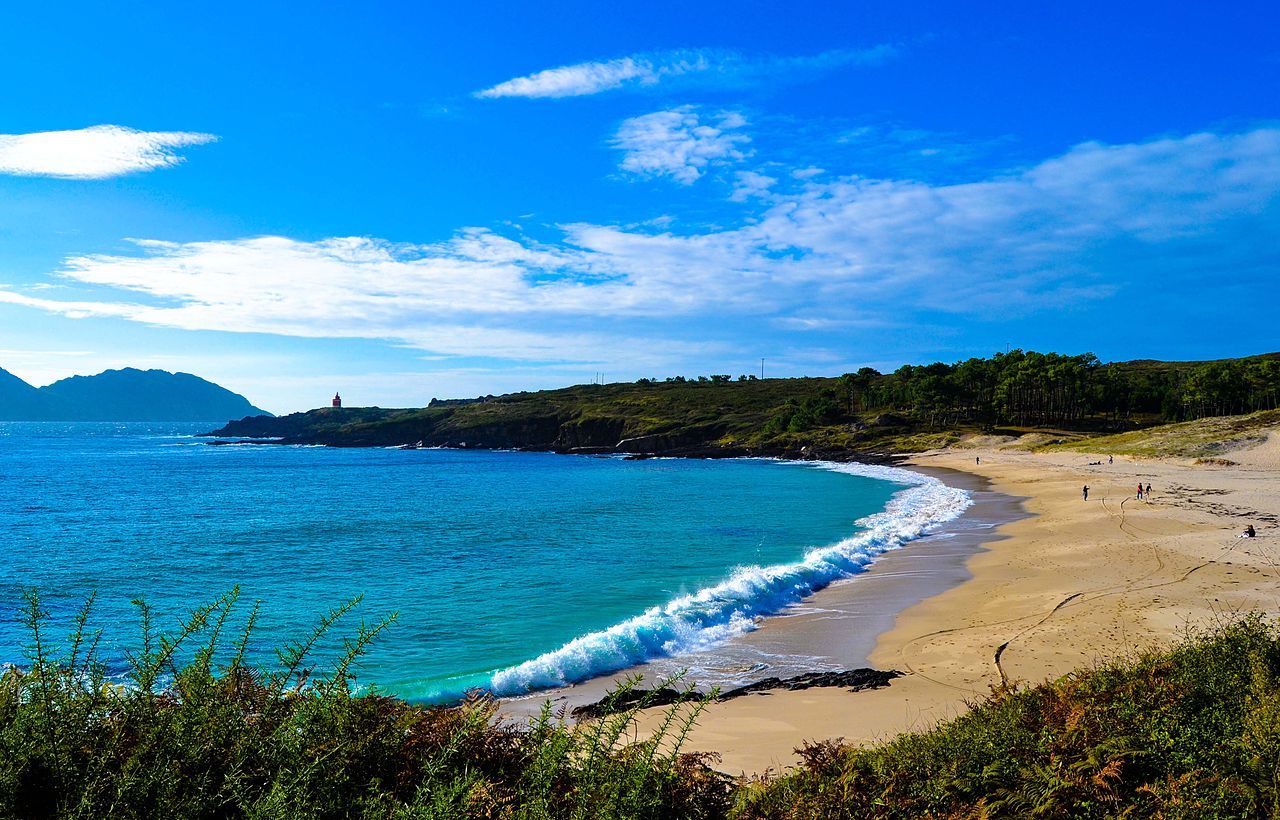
{"points": [[510, 571]]}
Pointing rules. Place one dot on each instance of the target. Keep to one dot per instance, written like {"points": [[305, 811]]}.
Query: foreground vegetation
{"points": [[213, 739], [1190, 732], [910, 409]]}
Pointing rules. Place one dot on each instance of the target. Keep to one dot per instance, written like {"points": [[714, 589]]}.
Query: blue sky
{"points": [[401, 201]]}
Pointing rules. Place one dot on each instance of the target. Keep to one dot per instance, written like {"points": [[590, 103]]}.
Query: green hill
{"points": [[669, 417], [912, 408]]}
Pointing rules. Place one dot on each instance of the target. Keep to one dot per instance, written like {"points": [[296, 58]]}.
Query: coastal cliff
{"points": [[704, 419]]}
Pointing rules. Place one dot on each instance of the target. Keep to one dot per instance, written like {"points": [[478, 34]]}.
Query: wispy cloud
{"points": [[814, 254], [902, 151], [639, 71], [93, 153], [592, 78], [680, 143]]}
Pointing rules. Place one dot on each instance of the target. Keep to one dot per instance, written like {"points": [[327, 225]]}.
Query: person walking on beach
{"points": [[1139, 490], [1111, 459], [1086, 492], [977, 459], [1147, 492]]}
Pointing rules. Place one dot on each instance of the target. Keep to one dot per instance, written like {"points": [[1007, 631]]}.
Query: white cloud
{"points": [[748, 184], [1076, 227], [822, 323], [93, 153], [640, 71], [679, 144]]}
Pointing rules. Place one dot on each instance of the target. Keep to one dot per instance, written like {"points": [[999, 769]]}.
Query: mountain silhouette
{"points": [[122, 395]]}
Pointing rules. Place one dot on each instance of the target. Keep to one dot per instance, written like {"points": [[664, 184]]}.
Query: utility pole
{"points": [[762, 368]]}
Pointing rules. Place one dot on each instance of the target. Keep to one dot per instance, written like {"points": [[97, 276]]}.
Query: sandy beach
{"points": [[1071, 584]]}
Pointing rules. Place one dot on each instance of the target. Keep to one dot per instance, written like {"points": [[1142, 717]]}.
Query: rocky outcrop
{"points": [[854, 680], [703, 437], [538, 432], [591, 432]]}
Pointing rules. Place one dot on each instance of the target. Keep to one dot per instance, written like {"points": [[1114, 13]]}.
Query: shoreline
{"points": [[1071, 585], [834, 629]]}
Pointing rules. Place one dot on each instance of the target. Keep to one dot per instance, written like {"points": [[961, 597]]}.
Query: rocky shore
{"points": [[566, 433]]}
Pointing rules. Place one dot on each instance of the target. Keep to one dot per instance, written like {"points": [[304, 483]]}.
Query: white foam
{"points": [[695, 622]]}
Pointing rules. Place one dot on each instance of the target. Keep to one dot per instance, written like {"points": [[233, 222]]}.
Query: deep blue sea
{"points": [[512, 571]]}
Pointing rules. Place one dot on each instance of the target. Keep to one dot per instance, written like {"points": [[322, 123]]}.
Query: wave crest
{"points": [[712, 615]]}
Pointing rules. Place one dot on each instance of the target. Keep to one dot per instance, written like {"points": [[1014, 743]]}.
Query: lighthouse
{"points": [[337, 400]]}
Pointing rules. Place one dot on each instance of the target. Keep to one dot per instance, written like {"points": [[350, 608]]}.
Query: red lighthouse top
{"points": [[337, 400]]}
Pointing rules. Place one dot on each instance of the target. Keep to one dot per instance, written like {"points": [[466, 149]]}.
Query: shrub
{"points": [[210, 736]]}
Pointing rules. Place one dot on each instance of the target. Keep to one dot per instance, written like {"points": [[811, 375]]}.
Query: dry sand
{"points": [[1075, 583]]}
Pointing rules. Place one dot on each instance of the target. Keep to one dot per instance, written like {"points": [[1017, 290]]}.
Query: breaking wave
{"points": [[710, 616]]}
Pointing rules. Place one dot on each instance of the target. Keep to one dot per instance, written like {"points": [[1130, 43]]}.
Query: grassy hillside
{"points": [[710, 417], [913, 408], [1191, 732]]}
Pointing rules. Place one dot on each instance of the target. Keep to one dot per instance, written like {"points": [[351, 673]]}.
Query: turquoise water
{"points": [[508, 570]]}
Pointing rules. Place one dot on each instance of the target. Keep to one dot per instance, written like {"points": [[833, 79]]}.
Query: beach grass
{"points": [[1203, 438]]}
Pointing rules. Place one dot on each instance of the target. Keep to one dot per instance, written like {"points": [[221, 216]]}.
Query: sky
{"points": [[402, 201]]}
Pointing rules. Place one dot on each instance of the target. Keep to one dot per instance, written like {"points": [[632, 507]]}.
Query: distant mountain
{"points": [[122, 395], [19, 400]]}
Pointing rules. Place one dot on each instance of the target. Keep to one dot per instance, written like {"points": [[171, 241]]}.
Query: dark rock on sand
{"points": [[855, 680]]}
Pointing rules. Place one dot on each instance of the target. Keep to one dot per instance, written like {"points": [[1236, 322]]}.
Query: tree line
{"points": [[1027, 388]]}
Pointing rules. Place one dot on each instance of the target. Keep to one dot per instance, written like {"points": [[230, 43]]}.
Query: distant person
{"points": [[977, 459], [1111, 459], [1249, 532], [1148, 492], [1139, 490], [1086, 492]]}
